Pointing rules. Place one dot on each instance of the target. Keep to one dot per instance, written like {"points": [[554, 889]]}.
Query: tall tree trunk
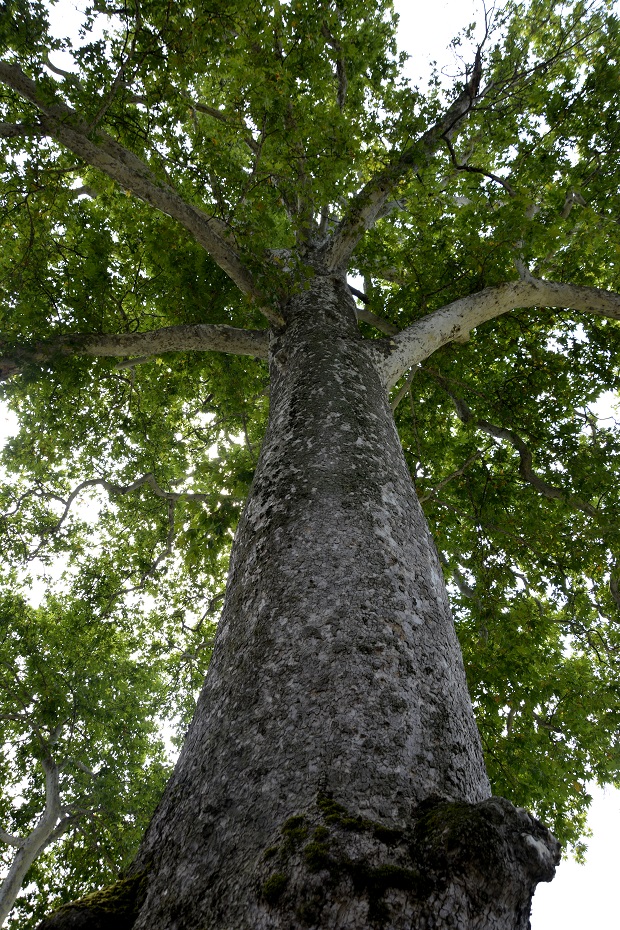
{"points": [[333, 776]]}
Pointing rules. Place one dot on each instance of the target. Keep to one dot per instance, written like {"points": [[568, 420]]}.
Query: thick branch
{"points": [[341, 72], [367, 205], [527, 472], [464, 166], [101, 151], [384, 326], [202, 337], [10, 840], [148, 480], [14, 130], [112, 488], [454, 322], [614, 584]]}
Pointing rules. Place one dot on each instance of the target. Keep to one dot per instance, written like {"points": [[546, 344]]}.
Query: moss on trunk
{"points": [[455, 865], [114, 907]]}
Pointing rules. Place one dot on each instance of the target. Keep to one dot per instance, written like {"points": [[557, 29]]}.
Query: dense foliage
{"points": [[75, 696], [270, 116]]}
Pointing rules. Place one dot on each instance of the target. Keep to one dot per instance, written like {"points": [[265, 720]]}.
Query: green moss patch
{"points": [[295, 830], [274, 887], [323, 849], [317, 857], [390, 836], [371, 881], [459, 831], [327, 852], [378, 880], [112, 908], [335, 813]]}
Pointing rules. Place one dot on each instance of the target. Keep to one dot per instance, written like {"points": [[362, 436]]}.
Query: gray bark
{"points": [[332, 776], [30, 847]]}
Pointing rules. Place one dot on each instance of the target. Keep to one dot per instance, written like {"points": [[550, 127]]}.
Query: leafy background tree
{"points": [[508, 460], [78, 710], [96, 691]]}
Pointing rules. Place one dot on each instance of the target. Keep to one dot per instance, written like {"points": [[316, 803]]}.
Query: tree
{"points": [[202, 182], [82, 757]]}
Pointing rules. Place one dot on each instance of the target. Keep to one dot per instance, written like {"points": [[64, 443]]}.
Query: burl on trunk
{"points": [[332, 776]]}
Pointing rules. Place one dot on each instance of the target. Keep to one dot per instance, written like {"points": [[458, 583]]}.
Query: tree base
{"points": [[458, 866]]}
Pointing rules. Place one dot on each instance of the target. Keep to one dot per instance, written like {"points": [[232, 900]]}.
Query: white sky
{"points": [[581, 897]]}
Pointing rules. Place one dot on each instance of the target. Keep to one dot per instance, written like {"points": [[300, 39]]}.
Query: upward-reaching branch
{"points": [[31, 846], [453, 322], [62, 123], [368, 204]]}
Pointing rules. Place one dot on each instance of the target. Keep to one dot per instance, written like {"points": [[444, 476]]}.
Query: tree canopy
{"points": [[158, 199]]}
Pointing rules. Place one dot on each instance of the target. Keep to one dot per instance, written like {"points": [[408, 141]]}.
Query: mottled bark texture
{"points": [[333, 776]]}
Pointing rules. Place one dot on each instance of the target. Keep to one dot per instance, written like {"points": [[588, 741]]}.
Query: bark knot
{"points": [[454, 857]]}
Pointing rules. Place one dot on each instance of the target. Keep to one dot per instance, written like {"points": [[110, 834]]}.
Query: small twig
{"points": [[119, 80], [84, 190], [132, 362], [614, 584], [67, 75], [463, 166], [222, 117], [455, 474]]}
